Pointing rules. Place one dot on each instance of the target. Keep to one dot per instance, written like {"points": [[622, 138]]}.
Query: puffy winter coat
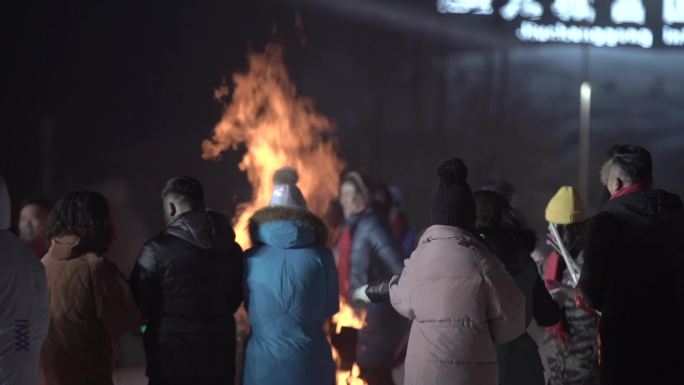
{"points": [[462, 302], [632, 273], [90, 305], [188, 283], [292, 288], [376, 256]]}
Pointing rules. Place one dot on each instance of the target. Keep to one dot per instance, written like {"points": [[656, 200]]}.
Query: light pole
{"points": [[585, 114]]}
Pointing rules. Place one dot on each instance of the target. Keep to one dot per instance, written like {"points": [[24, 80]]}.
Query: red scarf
{"points": [[552, 271], [637, 187], [344, 260]]}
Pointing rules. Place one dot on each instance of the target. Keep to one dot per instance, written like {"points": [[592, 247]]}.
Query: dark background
{"points": [[118, 96]]}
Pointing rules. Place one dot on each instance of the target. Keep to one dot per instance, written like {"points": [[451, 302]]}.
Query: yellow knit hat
{"points": [[566, 207]]}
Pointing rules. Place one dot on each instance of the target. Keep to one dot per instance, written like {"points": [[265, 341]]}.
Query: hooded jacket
{"points": [[90, 306], [188, 283], [23, 304], [632, 273], [291, 289], [462, 303]]}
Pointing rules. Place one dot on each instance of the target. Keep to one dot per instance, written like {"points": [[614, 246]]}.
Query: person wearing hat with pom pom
{"points": [[291, 289], [457, 293]]}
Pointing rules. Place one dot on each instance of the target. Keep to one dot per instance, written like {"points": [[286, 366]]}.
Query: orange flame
{"points": [[279, 128], [347, 317]]}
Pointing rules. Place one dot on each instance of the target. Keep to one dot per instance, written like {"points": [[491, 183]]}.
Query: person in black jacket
{"points": [[187, 282], [504, 231], [632, 274]]}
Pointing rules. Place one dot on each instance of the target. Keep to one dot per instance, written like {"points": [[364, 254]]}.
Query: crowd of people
{"points": [[457, 304]]}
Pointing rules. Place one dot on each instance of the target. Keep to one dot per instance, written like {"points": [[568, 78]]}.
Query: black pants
{"points": [[377, 376]]}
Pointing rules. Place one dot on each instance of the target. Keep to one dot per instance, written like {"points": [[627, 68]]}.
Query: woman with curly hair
{"points": [[90, 301]]}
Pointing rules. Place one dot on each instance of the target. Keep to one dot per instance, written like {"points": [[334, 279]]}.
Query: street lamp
{"points": [[585, 115]]}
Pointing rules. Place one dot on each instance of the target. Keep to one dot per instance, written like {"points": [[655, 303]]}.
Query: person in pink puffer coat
{"points": [[458, 294]]}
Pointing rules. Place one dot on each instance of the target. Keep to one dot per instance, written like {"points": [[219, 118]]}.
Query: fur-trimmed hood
{"points": [[286, 227]]}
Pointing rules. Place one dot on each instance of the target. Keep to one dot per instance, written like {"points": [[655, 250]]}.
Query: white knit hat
{"points": [[285, 192]]}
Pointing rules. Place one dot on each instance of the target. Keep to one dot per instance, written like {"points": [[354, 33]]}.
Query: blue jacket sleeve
{"points": [[386, 248], [360, 262], [371, 238]]}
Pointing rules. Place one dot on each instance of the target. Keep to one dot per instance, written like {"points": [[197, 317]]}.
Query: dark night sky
{"points": [[113, 78], [127, 88]]}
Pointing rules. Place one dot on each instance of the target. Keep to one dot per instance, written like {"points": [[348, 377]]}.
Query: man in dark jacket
{"points": [[188, 283], [632, 274]]}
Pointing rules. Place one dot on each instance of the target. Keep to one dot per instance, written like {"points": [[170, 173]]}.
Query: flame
{"points": [[350, 378], [279, 128], [347, 317]]}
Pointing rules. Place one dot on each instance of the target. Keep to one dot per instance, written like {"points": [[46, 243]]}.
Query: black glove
{"points": [[378, 291]]}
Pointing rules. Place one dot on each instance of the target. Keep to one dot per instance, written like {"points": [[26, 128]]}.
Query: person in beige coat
{"points": [[90, 301], [459, 296]]}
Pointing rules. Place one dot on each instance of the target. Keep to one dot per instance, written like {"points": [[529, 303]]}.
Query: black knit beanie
{"points": [[453, 203]]}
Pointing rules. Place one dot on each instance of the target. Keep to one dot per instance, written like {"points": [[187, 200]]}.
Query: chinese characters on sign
{"points": [[575, 20], [673, 13], [529, 9], [628, 11], [478, 7], [574, 10]]}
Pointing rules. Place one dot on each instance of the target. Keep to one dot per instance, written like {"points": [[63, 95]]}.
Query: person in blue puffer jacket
{"points": [[368, 253], [291, 290]]}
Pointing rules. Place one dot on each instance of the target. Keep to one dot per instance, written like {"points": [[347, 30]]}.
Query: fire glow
{"points": [[347, 318], [280, 128]]}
